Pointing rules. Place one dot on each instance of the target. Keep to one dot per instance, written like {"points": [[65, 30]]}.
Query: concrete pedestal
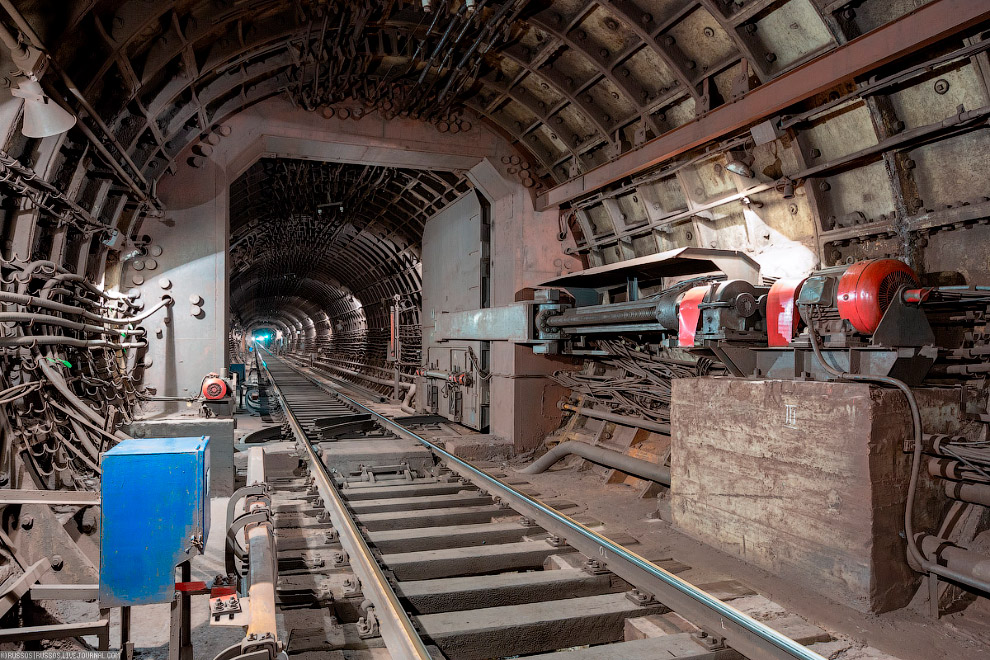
{"points": [[805, 479], [221, 432]]}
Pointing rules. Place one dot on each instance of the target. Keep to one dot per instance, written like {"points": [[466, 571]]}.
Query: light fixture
{"points": [[739, 164], [42, 116]]}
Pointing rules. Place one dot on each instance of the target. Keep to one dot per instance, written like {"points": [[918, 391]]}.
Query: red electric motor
{"points": [[867, 288], [214, 388]]}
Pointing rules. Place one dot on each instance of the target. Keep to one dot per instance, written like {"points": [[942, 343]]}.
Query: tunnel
{"points": [[476, 329]]}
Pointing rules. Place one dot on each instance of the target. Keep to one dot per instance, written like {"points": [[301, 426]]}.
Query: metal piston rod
{"points": [[720, 620]]}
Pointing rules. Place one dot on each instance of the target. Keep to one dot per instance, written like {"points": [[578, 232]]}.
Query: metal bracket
{"points": [[261, 490], [367, 626], [595, 567], [640, 597], [710, 642]]}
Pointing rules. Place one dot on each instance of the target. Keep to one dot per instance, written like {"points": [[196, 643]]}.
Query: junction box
{"points": [[156, 515]]}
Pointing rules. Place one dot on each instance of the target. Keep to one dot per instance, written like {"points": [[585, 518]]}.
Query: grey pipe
{"points": [[625, 420], [406, 406], [613, 459], [975, 493]]}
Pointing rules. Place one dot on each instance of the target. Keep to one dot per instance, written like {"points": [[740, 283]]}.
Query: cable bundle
{"points": [[636, 381], [69, 352]]}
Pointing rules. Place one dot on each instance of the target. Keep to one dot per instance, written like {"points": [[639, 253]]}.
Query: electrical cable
{"points": [[915, 557]]}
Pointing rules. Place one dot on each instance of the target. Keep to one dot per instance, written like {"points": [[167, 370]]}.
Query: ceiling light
{"points": [[738, 166], [42, 116]]}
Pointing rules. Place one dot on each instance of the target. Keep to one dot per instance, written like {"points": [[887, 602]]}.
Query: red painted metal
{"points": [[866, 289], [192, 587], [916, 296], [688, 315], [782, 314], [908, 34], [214, 388]]}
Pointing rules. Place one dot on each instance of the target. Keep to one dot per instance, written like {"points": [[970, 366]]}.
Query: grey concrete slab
{"points": [[463, 515], [480, 591], [454, 562], [399, 491], [532, 627], [453, 536], [221, 447], [467, 498]]}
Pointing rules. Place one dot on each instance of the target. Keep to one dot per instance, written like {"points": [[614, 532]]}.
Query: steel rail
{"points": [[401, 638], [720, 620]]}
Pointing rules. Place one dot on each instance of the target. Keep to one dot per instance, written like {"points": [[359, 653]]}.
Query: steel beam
{"points": [[61, 497], [910, 33], [64, 592]]}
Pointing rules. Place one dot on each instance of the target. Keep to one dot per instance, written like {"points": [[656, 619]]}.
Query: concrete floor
{"points": [[907, 634], [150, 623]]}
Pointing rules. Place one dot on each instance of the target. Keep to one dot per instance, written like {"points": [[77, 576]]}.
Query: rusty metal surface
{"points": [[869, 52]]}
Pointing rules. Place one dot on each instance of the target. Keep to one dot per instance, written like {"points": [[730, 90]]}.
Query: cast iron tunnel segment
{"points": [[450, 560]]}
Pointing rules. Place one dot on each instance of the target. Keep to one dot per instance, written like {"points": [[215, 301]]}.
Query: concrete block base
{"points": [[478, 447], [221, 432], [805, 479]]}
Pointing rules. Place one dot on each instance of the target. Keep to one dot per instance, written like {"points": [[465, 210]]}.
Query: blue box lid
{"points": [[159, 445]]}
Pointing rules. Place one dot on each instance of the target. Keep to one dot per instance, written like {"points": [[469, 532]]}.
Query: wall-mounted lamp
{"points": [[739, 164], [42, 116]]}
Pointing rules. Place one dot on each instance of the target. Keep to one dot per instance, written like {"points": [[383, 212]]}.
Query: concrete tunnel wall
{"points": [[193, 236]]}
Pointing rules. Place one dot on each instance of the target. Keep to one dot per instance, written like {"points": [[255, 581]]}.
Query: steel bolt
{"points": [[27, 522], [57, 562]]}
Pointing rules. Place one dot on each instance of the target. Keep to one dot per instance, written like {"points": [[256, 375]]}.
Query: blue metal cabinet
{"points": [[156, 515]]}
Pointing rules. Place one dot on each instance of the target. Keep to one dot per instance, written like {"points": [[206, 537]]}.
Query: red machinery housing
{"points": [[783, 318], [215, 388], [867, 288]]}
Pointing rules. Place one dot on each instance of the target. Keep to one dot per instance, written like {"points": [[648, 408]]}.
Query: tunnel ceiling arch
{"points": [[573, 83], [324, 240]]}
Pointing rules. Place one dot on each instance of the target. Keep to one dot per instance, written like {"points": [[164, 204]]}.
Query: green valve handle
{"points": [[64, 363]]}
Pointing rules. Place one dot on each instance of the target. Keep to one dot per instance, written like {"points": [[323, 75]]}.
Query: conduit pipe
{"points": [[974, 493], [613, 459], [625, 420], [59, 340], [49, 319], [262, 572], [406, 406], [56, 379], [34, 301]]}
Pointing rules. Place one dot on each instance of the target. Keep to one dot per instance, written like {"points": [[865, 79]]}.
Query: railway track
{"points": [[418, 554]]}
